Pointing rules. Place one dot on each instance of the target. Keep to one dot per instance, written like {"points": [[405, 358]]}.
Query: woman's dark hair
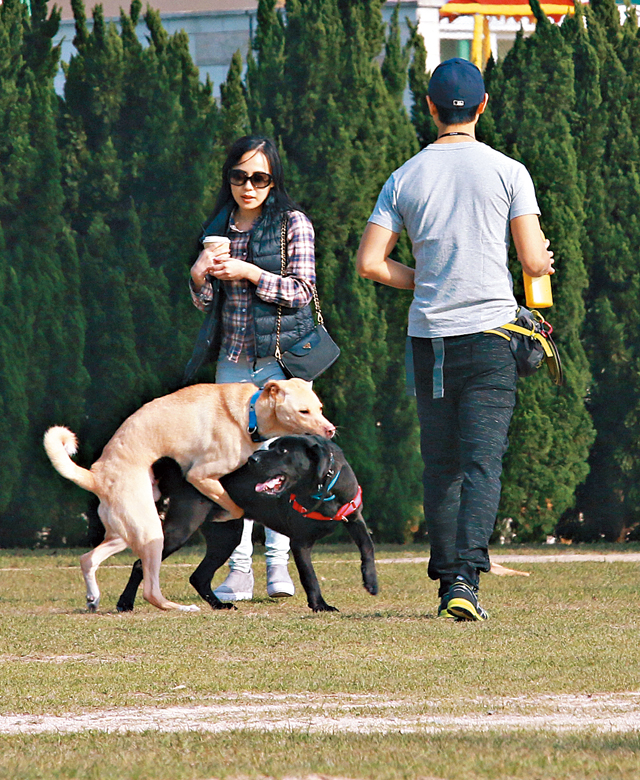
{"points": [[278, 200], [456, 116]]}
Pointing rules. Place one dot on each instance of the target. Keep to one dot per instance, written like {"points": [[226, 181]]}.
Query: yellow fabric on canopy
{"points": [[517, 9], [511, 8]]}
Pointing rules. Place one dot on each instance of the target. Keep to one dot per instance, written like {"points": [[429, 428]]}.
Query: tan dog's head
{"points": [[293, 408]]}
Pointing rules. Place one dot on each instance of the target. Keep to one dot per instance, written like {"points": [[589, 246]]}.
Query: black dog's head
{"points": [[311, 467]]}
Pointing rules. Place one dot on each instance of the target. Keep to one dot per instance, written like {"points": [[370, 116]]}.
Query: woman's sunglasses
{"points": [[258, 180]]}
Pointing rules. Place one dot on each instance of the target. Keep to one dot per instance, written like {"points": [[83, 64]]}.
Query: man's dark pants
{"points": [[463, 437]]}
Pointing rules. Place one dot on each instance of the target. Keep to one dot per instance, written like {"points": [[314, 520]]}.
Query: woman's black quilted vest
{"points": [[264, 251]]}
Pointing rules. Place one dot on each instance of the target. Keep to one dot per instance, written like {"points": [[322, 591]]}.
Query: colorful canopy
{"points": [[517, 9]]}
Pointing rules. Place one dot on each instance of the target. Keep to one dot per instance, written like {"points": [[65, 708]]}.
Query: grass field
{"points": [[548, 688]]}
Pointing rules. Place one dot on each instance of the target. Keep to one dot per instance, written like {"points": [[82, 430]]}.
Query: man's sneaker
{"points": [[443, 609], [279, 583], [237, 587], [463, 602]]}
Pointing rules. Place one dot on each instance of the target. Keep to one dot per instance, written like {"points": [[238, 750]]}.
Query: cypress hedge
{"points": [[103, 193]]}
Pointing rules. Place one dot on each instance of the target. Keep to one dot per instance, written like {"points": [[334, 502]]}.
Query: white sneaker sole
{"points": [[233, 596], [280, 590]]}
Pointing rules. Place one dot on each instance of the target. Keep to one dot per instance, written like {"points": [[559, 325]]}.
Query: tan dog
{"points": [[205, 429]]}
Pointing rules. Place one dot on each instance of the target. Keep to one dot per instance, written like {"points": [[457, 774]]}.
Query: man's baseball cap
{"points": [[456, 83]]}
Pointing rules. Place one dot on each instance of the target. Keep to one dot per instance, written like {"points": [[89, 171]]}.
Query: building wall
{"points": [[214, 36], [218, 28]]}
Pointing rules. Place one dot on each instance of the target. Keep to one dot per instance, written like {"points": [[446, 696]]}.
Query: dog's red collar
{"points": [[341, 514]]}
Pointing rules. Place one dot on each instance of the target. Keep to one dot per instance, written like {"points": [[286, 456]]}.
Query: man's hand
{"points": [[532, 246], [374, 262]]}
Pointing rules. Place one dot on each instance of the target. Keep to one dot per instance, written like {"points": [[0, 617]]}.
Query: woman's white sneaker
{"points": [[279, 583], [237, 587]]}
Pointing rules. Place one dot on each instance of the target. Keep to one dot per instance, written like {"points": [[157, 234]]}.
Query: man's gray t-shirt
{"points": [[456, 201]]}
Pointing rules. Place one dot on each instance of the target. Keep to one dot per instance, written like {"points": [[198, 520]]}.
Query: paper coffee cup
{"points": [[219, 243]]}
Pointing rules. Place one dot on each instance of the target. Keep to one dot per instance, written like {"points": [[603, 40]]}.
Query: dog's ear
{"points": [[274, 391], [320, 451]]}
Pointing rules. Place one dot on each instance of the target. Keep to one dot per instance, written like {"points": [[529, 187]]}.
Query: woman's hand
{"points": [[230, 269], [204, 265]]}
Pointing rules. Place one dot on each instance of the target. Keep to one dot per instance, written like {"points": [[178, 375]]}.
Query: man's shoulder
{"points": [[439, 160], [479, 150], [500, 157]]}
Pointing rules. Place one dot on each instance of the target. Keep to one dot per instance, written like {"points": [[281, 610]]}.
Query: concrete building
{"points": [[218, 28]]}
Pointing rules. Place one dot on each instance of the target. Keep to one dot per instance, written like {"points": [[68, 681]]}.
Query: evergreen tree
{"points": [[139, 149], [42, 375], [610, 500], [235, 117], [342, 132], [265, 99], [418, 83], [532, 100], [396, 59], [15, 325], [111, 185], [93, 102], [174, 122]]}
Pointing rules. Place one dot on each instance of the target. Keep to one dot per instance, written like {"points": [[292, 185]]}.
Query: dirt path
{"points": [[364, 714], [501, 558], [542, 558], [359, 714]]}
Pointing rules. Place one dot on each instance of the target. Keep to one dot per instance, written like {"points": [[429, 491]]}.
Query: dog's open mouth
{"points": [[272, 486]]}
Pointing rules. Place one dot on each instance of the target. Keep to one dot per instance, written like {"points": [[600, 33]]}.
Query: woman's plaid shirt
{"points": [[293, 290]]}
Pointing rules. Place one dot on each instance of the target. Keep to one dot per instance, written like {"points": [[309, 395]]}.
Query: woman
{"points": [[250, 209]]}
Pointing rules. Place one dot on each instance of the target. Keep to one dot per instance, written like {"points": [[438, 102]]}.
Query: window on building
{"points": [[454, 47]]}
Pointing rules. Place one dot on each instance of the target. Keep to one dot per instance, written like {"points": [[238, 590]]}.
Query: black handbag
{"points": [[313, 354]]}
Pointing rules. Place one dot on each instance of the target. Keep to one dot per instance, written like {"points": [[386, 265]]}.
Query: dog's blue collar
{"points": [[326, 486], [325, 494], [253, 419]]}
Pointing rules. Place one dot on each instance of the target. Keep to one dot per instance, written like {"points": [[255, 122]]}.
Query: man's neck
{"points": [[452, 134]]}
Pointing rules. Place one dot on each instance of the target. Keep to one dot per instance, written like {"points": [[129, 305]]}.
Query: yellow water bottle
{"points": [[537, 289]]}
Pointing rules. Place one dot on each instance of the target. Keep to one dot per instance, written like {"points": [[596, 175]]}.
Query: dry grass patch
{"points": [[554, 639]]}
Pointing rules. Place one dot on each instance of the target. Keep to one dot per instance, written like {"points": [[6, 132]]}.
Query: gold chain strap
{"points": [[283, 265]]}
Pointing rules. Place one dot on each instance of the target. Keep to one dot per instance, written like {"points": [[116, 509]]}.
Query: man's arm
{"points": [[374, 262], [531, 245]]}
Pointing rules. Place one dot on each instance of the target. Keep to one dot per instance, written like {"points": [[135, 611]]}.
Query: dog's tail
{"points": [[60, 443]]}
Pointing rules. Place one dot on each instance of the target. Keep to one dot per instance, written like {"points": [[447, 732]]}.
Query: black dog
{"points": [[300, 486]]}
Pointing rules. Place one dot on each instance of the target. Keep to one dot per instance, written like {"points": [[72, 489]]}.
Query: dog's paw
{"points": [[93, 604], [189, 608], [124, 607], [371, 587], [224, 605], [324, 607], [369, 576]]}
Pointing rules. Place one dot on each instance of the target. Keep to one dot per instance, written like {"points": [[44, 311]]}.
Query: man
{"points": [[457, 199]]}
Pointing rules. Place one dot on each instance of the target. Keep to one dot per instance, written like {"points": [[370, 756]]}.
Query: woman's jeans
{"points": [[463, 437], [258, 372]]}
